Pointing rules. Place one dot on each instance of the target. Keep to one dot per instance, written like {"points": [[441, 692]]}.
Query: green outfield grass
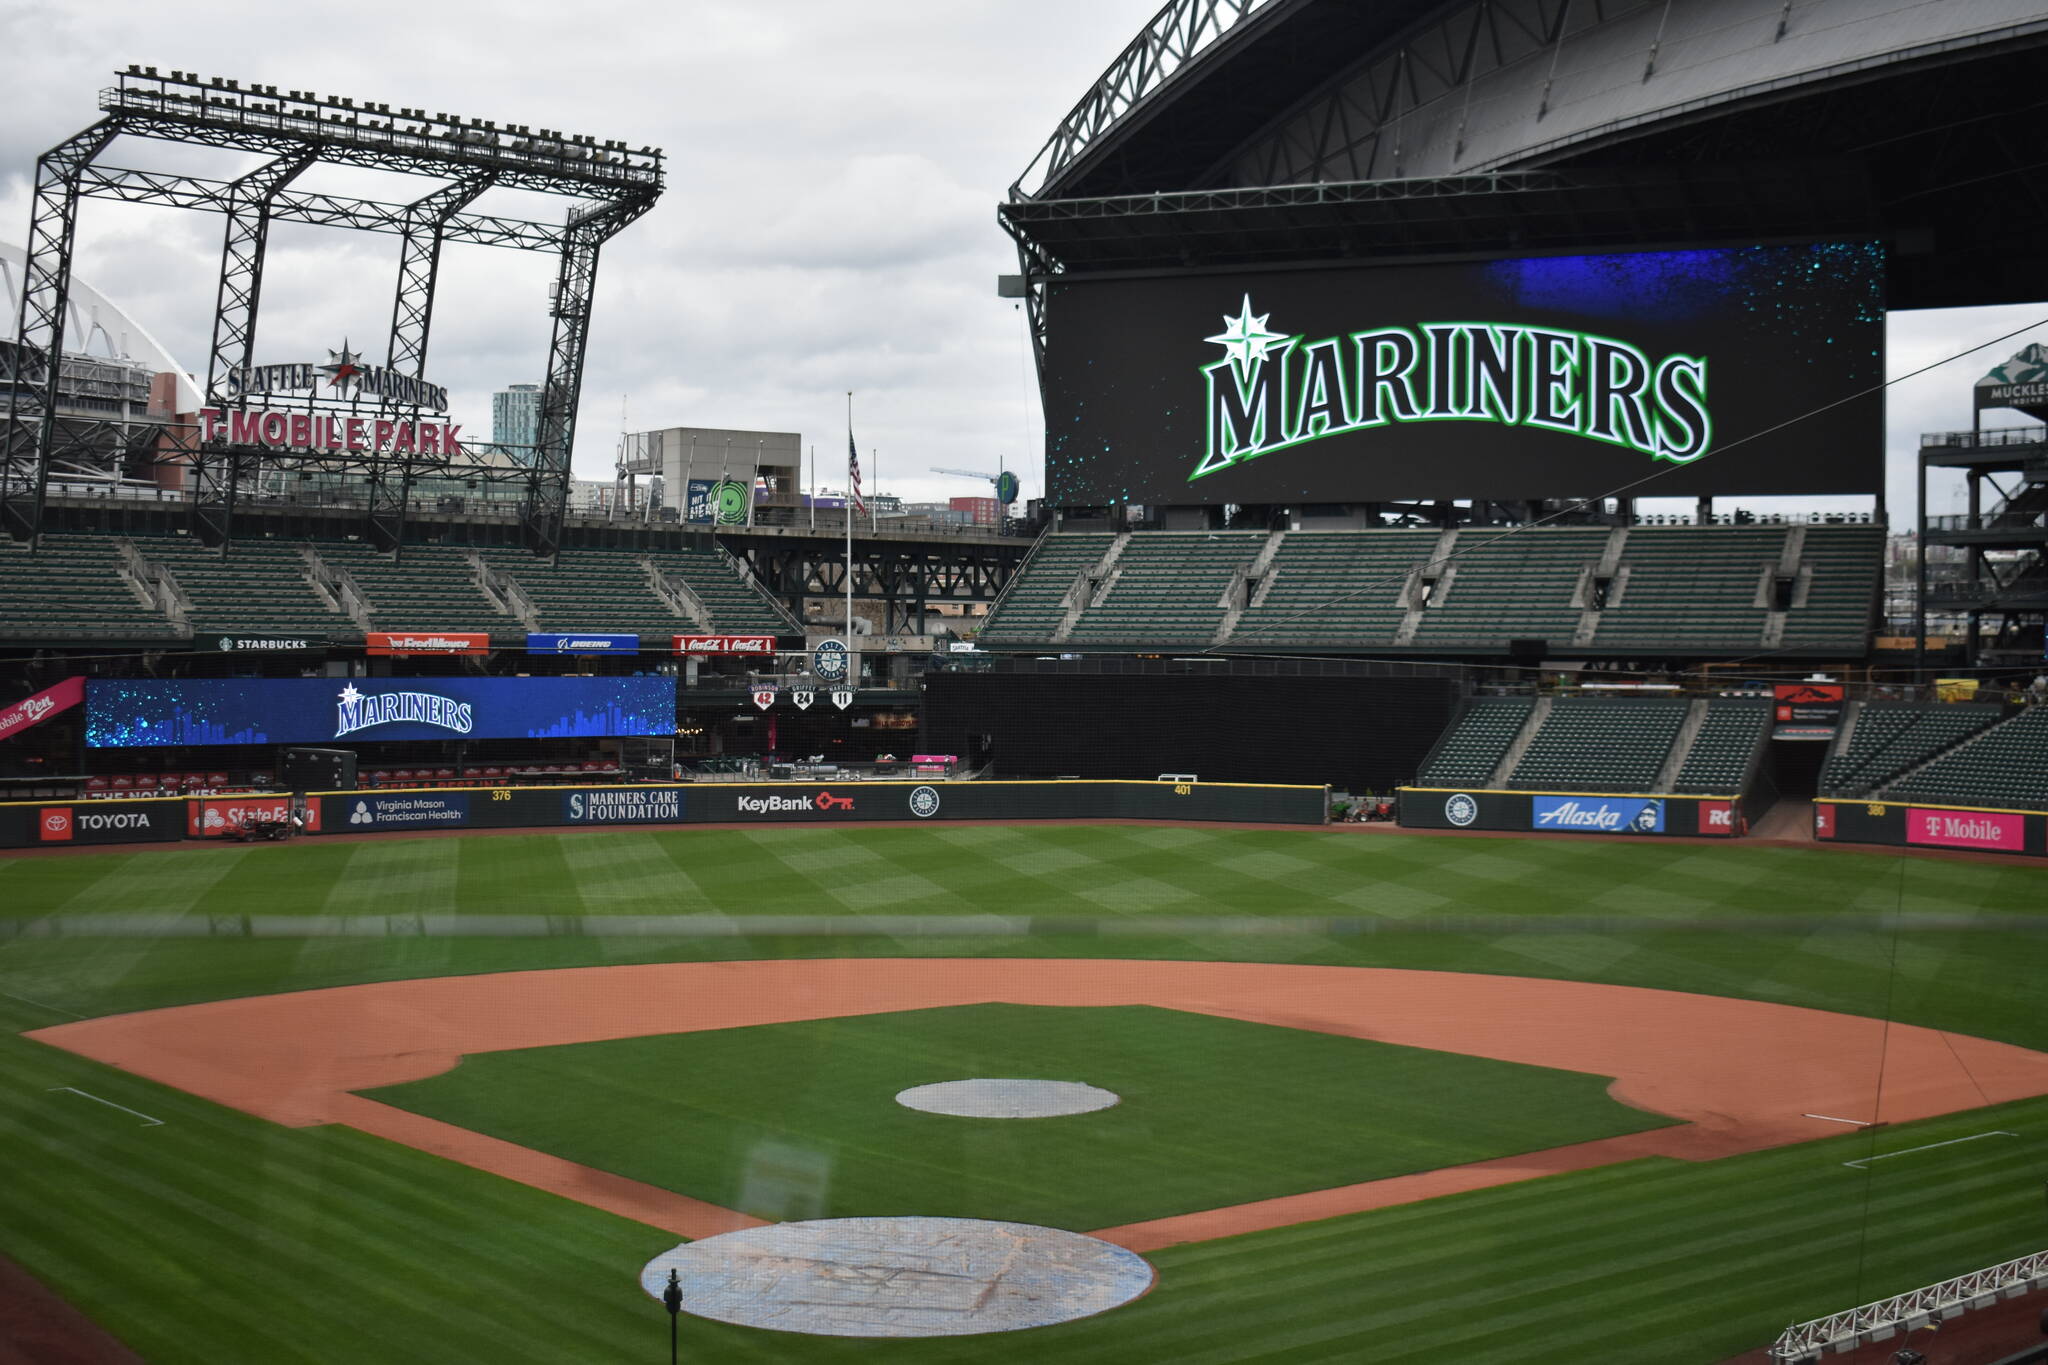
{"points": [[800, 1120], [220, 1238]]}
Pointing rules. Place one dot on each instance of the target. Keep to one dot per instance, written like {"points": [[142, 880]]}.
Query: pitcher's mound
{"points": [[1007, 1099], [899, 1277]]}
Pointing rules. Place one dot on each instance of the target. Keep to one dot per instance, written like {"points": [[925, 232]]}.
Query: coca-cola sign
{"points": [[725, 644]]}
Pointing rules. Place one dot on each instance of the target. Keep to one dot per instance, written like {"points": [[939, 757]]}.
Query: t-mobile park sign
{"points": [[317, 432]]}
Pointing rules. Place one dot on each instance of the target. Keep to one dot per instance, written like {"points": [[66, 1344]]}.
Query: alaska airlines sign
{"points": [[1272, 391]]}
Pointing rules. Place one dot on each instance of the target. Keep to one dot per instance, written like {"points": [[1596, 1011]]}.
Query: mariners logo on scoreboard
{"points": [[361, 710], [1271, 390]]}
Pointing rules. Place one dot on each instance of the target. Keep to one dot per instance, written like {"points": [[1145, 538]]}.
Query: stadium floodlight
{"points": [[610, 187]]}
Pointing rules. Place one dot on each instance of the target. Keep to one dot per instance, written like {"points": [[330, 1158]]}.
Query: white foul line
{"points": [[1860, 1123], [1861, 1162], [147, 1121]]}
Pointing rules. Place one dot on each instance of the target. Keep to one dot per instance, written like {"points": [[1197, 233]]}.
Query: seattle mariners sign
{"points": [[1271, 391], [1738, 371]]}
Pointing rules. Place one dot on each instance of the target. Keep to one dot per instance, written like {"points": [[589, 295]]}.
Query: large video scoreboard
{"points": [[1751, 370]]}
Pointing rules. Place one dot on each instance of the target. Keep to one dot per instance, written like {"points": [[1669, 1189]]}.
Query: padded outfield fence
{"points": [[1711, 817], [44, 824], [1906, 824]]}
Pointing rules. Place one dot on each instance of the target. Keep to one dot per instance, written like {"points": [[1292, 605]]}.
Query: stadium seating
{"points": [[1335, 588], [1033, 605], [1476, 743], [2004, 767], [1511, 584], [735, 603], [1672, 590], [593, 590], [73, 587], [1598, 744], [1727, 743], [262, 588], [1168, 588], [1847, 563], [429, 587], [1690, 587], [1887, 738]]}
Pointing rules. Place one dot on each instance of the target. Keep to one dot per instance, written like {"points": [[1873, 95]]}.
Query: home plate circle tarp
{"points": [[899, 1277], [1007, 1099]]}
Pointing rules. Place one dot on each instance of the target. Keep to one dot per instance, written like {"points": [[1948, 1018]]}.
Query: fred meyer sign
{"points": [[582, 643], [427, 642]]}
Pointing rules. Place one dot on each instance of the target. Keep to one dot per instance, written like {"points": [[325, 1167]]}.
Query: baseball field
{"points": [[1382, 1097]]}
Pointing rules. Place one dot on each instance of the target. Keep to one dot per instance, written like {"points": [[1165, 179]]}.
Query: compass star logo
{"points": [[1245, 338], [343, 367]]}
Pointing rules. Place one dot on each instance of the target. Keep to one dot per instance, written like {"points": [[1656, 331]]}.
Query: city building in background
{"points": [[515, 421], [719, 476]]}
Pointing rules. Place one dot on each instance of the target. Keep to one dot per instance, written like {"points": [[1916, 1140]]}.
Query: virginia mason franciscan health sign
{"points": [[1719, 371]]}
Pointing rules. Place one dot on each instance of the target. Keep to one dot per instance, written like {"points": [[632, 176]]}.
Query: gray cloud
{"points": [[829, 223]]}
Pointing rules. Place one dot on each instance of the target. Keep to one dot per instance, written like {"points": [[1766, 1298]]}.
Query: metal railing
{"points": [[1978, 440], [1978, 1289]]}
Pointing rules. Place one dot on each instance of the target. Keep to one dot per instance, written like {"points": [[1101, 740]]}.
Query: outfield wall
{"points": [[1919, 826], [1710, 817], [44, 824], [371, 812], [60, 824]]}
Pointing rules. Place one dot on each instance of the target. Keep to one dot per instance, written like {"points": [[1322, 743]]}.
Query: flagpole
{"points": [[813, 499], [874, 512], [849, 520]]}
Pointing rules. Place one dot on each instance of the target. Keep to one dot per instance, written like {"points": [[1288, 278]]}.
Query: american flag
{"points": [[853, 473]]}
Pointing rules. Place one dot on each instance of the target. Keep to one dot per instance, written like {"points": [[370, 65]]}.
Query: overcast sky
{"points": [[829, 224]]}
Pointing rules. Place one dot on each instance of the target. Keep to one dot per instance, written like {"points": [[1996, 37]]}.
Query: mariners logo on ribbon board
{"points": [[924, 802], [1461, 810], [829, 660]]}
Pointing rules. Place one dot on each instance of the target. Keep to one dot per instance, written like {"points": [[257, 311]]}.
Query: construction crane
{"points": [[1005, 482]]}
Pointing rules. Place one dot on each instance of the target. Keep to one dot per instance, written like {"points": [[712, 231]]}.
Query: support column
{"points": [[27, 442], [547, 486], [216, 468], [412, 316]]}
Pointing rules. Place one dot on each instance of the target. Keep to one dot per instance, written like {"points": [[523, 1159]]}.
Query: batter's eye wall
{"points": [[1721, 371], [1354, 733]]}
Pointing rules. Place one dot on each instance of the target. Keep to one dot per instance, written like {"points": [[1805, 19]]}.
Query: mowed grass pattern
{"points": [[800, 1120], [220, 1238]]}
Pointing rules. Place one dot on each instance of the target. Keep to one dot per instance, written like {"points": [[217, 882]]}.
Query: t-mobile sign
{"points": [[1967, 829]]}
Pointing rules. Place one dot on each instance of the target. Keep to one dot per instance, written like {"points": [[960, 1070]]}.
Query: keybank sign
{"points": [[1272, 391]]}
